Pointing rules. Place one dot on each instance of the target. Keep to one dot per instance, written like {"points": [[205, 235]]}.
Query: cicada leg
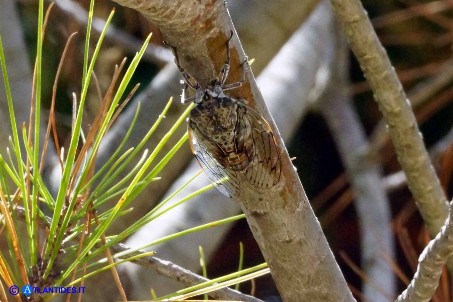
{"points": [[189, 81], [226, 69]]}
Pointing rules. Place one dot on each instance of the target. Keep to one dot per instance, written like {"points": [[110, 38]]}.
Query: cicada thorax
{"points": [[222, 123]]}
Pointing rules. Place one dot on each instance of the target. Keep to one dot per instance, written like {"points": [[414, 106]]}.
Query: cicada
{"points": [[228, 138]]}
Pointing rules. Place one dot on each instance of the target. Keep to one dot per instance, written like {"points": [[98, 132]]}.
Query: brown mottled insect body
{"points": [[223, 121], [229, 138]]}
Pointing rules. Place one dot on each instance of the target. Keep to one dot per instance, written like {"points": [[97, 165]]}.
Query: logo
{"points": [[27, 290], [14, 290]]}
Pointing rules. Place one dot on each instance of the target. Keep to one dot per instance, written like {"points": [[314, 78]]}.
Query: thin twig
{"points": [[392, 100], [186, 277], [419, 95], [429, 270]]}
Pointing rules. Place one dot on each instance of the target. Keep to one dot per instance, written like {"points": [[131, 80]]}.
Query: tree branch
{"points": [[396, 109], [280, 218], [432, 259], [153, 98], [418, 96], [293, 72], [184, 276]]}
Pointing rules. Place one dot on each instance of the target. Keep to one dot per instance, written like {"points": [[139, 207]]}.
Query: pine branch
{"points": [[429, 270], [280, 218], [397, 112]]}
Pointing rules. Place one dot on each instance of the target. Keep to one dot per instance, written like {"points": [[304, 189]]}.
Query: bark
{"points": [[418, 96], [397, 112], [155, 95], [429, 270], [305, 86], [294, 73], [280, 218], [403, 130]]}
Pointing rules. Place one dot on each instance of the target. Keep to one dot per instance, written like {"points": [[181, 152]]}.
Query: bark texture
{"points": [[397, 112], [281, 218]]}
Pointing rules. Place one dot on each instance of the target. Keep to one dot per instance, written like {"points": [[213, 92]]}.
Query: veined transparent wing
{"points": [[225, 180], [264, 170]]}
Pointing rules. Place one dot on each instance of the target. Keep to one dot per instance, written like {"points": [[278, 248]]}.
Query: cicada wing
{"points": [[264, 170], [224, 180]]}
